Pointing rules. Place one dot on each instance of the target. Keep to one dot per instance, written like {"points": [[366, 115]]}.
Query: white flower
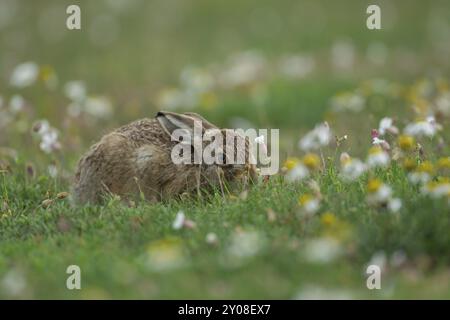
{"points": [[443, 103], [425, 128], [386, 125], [343, 55], [318, 137], [245, 244], [243, 68], [196, 79], [418, 177], [52, 170], [16, 104], [48, 135], [297, 66], [322, 250], [260, 141], [24, 75], [13, 283], [49, 141], [75, 90], [394, 204], [211, 238], [352, 169], [351, 101], [297, 173], [437, 189], [381, 195], [381, 142], [99, 107], [377, 158], [179, 220]]}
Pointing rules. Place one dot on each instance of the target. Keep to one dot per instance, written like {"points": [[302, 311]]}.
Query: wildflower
{"points": [[99, 107], [245, 244], [328, 219], [179, 220], [309, 203], [318, 137], [75, 90], [406, 142], [377, 157], [16, 104], [260, 141], [343, 54], [297, 173], [311, 161], [48, 135], [352, 101], [443, 163], [378, 192], [351, 169], [386, 125], [211, 238], [48, 76], [242, 69], [425, 128], [437, 189], [290, 163], [296, 66], [164, 255], [409, 164], [322, 250], [52, 170], [13, 283], [196, 79], [422, 174], [394, 205], [24, 75]]}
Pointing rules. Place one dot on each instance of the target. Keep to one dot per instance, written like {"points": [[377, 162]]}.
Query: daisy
{"points": [[351, 169], [24, 75], [309, 203], [318, 137], [377, 157]]}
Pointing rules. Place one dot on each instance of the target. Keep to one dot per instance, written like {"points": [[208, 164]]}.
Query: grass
{"points": [[265, 246], [112, 244]]}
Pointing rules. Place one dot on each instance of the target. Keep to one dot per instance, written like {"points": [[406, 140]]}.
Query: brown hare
{"points": [[135, 160]]}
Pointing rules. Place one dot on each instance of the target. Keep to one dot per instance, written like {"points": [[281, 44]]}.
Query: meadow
{"points": [[364, 129]]}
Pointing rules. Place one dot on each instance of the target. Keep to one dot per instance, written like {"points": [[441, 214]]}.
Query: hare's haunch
{"points": [[136, 160]]}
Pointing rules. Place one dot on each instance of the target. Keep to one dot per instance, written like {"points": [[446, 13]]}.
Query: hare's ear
{"points": [[206, 124], [171, 121]]}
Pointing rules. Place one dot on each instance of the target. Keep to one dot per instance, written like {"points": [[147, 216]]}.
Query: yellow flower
{"points": [[409, 164], [328, 219], [304, 199], [290, 163], [311, 161], [443, 163], [373, 185], [406, 142], [426, 167], [375, 150], [208, 100]]}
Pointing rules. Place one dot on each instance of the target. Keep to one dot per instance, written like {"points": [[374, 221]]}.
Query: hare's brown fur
{"points": [[136, 160]]}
